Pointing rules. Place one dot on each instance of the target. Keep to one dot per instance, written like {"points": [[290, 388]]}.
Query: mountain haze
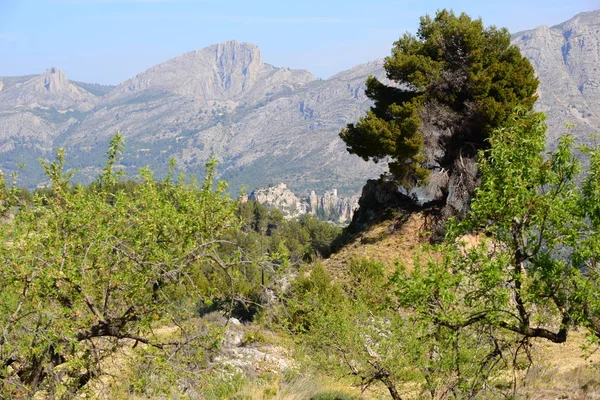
{"points": [[264, 124]]}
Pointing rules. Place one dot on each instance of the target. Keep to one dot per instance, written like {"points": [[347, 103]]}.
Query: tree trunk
{"points": [[391, 388]]}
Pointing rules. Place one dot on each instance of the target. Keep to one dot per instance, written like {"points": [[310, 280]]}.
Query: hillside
{"points": [[150, 288], [560, 371]]}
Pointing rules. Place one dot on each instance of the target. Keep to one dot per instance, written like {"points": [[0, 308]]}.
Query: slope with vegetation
{"points": [[88, 269], [150, 288], [517, 266]]}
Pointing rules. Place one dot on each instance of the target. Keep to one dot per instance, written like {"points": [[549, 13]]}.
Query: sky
{"points": [[109, 41]]}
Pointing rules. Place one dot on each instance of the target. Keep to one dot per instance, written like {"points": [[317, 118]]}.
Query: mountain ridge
{"points": [[50, 89], [217, 72], [264, 124]]}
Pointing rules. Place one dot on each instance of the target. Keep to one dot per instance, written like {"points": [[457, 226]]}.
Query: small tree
{"points": [[450, 86], [85, 270], [533, 270], [523, 264], [9, 195]]}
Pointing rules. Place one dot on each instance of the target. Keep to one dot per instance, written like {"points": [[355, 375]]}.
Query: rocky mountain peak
{"points": [[226, 71], [234, 56], [49, 89], [565, 58], [583, 18], [55, 80]]}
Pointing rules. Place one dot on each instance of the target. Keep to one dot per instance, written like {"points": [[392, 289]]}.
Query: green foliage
{"points": [[115, 148], [381, 329], [84, 269], [9, 196], [522, 265], [355, 328], [311, 292], [530, 208], [322, 234], [532, 272], [265, 230], [453, 84]]}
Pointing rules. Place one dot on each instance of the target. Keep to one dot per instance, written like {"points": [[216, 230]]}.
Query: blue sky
{"points": [[108, 41]]}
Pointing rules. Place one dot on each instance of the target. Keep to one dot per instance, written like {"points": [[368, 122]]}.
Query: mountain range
{"points": [[264, 124]]}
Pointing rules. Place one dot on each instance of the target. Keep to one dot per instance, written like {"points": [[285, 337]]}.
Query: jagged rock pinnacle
{"points": [[55, 80]]}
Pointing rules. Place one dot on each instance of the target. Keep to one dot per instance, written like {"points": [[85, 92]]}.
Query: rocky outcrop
{"points": [[52, 90], [378, 196], [331, 207], [328, 207], [280, 197]]}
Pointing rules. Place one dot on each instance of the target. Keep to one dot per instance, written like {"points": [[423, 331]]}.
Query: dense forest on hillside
{"points": [[138, 287]]}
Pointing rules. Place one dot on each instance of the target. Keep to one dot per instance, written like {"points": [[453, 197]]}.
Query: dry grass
{"points": [[561, 371], [389, 242], [299, 388], [115, 367]]}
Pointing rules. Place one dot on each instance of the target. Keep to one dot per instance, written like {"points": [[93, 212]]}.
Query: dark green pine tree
{"points": [[449, 87]]}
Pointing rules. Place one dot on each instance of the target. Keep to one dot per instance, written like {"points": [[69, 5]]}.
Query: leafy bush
{"points": [[85, 270], [456, 323]]}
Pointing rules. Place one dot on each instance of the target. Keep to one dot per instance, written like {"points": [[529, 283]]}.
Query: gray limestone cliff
{"points": [[35, 110], [566, 58], [262, 123], [332, 207], [226, 71], [280, 197], [328, 207]]}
